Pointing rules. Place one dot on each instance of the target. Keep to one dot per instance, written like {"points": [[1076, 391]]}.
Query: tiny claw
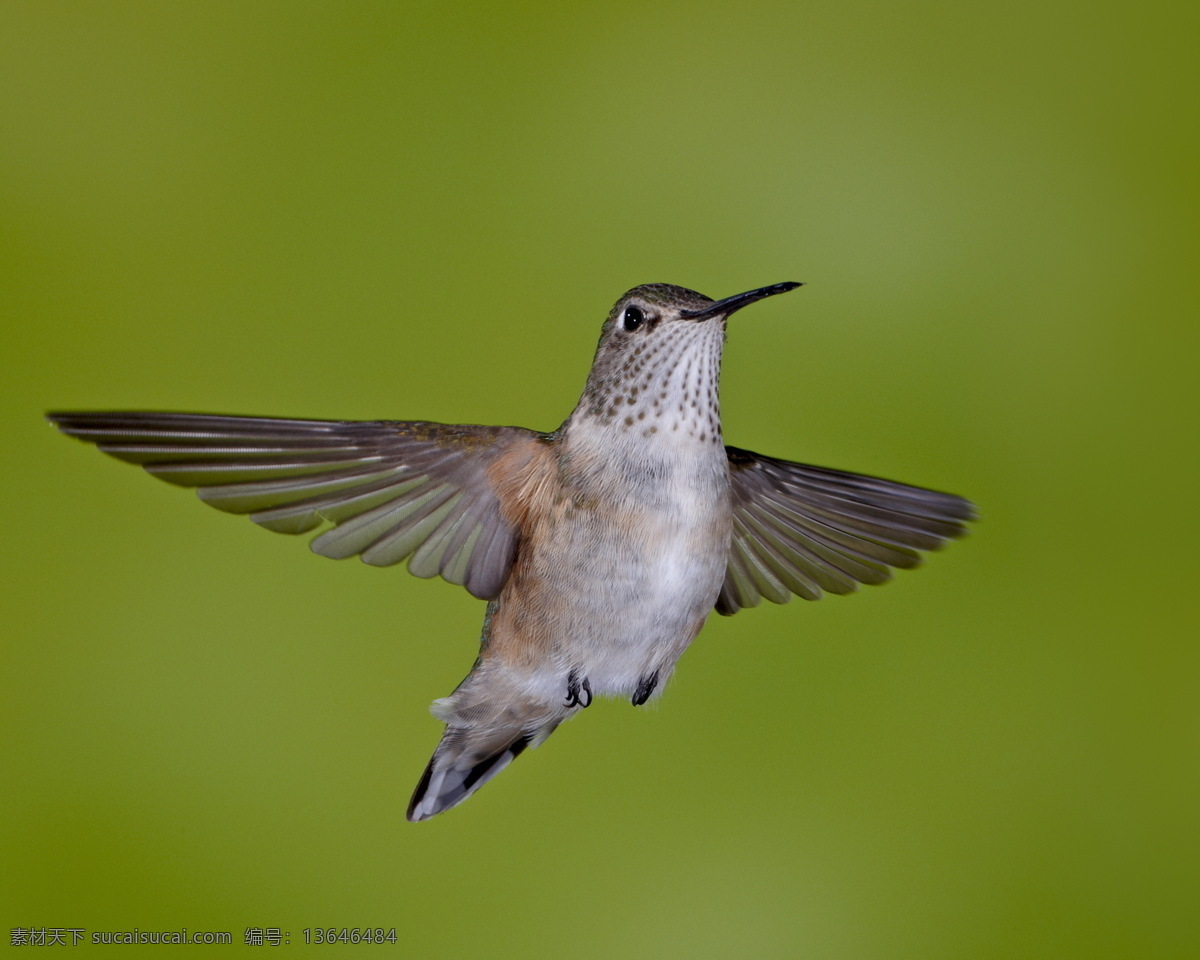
{"points": [[645, 687], [579, 692]]}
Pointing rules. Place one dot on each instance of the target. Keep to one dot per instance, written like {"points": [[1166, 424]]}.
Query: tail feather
{"points": [[461, 764]]}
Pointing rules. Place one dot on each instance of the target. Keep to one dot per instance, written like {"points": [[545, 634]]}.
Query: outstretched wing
{"points": [[806, 530], [390, 489]]}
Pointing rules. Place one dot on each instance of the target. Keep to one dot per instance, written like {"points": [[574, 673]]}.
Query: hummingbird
{"points": [[601, 547]]}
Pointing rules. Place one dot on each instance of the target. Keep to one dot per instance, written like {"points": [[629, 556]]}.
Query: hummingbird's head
{"points": [[659, 359], [651, 303]]}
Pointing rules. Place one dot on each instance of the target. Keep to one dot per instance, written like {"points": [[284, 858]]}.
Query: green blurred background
{"points": [[424, 210]]}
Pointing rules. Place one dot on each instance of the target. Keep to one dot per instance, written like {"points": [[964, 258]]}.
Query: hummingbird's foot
{"points": [[579, 692], [645, 687]]}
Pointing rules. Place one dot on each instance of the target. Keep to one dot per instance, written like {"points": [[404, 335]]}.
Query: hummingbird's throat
{"points": [[663, 387]]}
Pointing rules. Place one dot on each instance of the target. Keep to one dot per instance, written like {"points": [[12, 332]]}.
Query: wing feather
{"points": [[803, 530], [390, 489]]}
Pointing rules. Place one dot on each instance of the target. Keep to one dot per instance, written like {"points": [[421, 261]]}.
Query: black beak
{"points": [[737, 301]]}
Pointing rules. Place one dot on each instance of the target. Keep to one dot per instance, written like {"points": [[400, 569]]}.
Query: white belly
{"points": [[656, 618], [644, 579]]}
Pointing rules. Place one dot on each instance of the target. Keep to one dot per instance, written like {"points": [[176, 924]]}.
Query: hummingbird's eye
{"points": [[632, 318]]}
